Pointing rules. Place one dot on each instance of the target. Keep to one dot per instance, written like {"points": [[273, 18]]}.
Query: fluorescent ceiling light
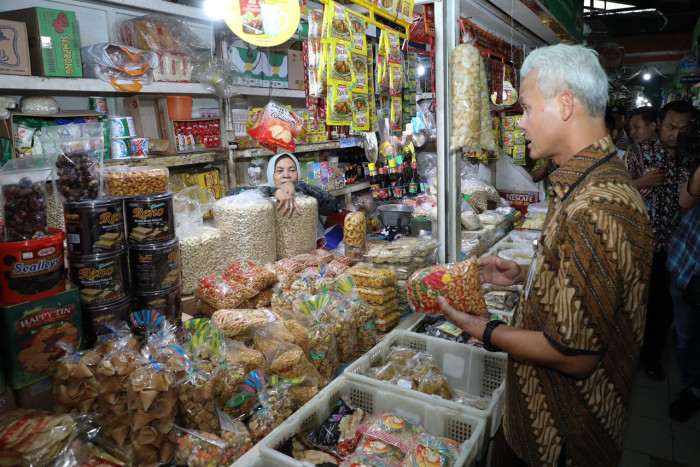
{"points": [[646, 76], [214, 9]]}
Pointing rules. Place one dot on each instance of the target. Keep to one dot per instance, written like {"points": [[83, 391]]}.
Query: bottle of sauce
{"points": [[393, 178], [386, 184], [414, 184], [375, 182], [399, 189]]}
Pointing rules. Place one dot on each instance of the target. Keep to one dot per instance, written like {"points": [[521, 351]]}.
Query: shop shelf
{"points": [[310, 147], [469, 370], [437, 418], [355, 187], [206, 157]]}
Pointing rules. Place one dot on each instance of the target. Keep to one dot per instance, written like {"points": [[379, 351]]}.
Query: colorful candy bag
{"points": [[459, 283]]}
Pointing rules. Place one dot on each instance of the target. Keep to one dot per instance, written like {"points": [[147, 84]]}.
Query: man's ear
{"points": [[614, 133], [566, 102]]}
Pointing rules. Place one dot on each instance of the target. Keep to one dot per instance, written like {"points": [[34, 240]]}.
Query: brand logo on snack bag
{"points": [[111, 218], [97, 273], [343, 92], [33, 320], [142, 214], [341, 51], [34, 268]]}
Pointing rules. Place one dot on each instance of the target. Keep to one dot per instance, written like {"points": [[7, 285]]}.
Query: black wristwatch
{"points": [[486, 338]]}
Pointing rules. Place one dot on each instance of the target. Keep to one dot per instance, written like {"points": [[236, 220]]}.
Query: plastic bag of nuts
{"points": [[278, 404], [459, 283], [235, 390], [254, 276], [297, 234], [135, 181]]}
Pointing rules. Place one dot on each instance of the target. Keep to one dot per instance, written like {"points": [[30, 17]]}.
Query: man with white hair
{"points": [[574, 344]]}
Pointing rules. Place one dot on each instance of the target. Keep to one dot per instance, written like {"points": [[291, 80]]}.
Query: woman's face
{"points": [[285, 171]]}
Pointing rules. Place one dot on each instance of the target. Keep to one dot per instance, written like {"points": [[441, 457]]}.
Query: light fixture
{"points": [[215, 9], [421, 70], [646, 76]]}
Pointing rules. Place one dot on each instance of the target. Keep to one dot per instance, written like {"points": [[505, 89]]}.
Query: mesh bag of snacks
{"points": [[254, 276], [297, 234], [459, 283], [221, 292]]}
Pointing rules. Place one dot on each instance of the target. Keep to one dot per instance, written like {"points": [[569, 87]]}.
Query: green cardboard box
{"points": [[54, 42], [275, 71], [246, 66], [30, 331]]}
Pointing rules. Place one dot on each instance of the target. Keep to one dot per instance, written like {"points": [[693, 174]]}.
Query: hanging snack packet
{"points": [[405, 10], [359, 65], [277, 127], [340, 67], [338, 435], [315, 24], [360, 103], [339, 105], [357, 27], [395, 80], [337, 25], [396, 121], [393, 46], [459, 283]]}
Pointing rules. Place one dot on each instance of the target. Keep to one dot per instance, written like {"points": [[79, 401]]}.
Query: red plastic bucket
{"points": [[32, 269]]}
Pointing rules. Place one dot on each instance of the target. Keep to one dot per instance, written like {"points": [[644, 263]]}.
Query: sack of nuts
{"points": [[459, 283]]}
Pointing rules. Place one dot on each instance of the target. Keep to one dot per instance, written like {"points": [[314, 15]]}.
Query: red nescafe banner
{"points": [[150, 218], [155, 266], [94, 226], [32, 269], [102, 278], [96, 317], [167, 303]]}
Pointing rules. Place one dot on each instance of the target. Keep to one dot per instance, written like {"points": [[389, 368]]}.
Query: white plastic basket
{"points": [[436, 418], [469, 370]]}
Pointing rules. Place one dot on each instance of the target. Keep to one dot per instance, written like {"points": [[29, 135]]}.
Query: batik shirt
{"points": [[661, 201], [588, 297]]}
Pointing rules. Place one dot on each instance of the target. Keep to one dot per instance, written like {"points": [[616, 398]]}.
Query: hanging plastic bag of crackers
{"points": [[277, 127]]}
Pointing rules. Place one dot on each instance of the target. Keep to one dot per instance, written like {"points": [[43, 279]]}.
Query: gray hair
{"points": [[572, 68]]}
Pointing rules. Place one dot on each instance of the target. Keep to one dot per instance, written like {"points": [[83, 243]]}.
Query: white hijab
{"points": [[271, 167]]}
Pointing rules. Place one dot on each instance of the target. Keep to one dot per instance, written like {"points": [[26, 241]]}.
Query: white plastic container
{"points": [[521, 255], [437, 418], [470, 370]]}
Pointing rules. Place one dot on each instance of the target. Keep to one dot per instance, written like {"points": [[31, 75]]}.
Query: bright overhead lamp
{"points": [[646, 76], [215, 9]]}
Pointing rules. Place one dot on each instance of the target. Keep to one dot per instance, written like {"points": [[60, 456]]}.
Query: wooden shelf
{"points": [[87, 86], [262, 152], [172, 160]]}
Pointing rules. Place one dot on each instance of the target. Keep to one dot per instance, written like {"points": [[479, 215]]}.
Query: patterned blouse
{"points": [[661, 201], [588, 296]]}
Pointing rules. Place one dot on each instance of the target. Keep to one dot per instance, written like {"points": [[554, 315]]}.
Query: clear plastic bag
{"points": [[277, 405], [120, 79], [79, 150], [131, 61], [47, 435], [459, 283], [39, 105], [23, 183], [240, 323], [276, 127], [161, 33], [247, 225], [220, 292], [297, 234], [75, 387], [254, 276], [236, 391]]}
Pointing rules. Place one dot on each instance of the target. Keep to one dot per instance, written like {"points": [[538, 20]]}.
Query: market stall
{"points": [[158, 307]]}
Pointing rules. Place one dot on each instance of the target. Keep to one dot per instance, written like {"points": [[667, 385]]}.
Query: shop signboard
{"points": [[520, 199], [265, 23]]}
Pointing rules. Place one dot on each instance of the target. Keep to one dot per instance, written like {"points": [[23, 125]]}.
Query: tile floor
{"points": [[652, 439]]}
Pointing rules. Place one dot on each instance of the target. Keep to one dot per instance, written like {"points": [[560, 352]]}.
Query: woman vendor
{"points": [[283, 181]]}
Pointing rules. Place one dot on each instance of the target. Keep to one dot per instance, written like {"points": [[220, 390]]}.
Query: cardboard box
{"points": [[275, 70], [30, 331], [37, 396], [54, 42], [147, 120], [295, 63], [246, 66], [14, 49]]}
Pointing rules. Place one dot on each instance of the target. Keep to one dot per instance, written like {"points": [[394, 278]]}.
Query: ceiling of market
{"points": [[644, 16]]}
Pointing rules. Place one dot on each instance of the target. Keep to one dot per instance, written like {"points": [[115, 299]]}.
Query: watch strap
{"points": [[486, 338]]}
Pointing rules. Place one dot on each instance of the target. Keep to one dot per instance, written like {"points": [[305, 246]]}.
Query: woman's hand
{"points": [[495, 270], [286, 205]]}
